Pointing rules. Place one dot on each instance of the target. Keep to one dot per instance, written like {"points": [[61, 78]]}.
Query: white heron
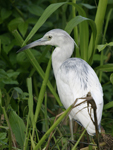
{"points": [[74, 78]]}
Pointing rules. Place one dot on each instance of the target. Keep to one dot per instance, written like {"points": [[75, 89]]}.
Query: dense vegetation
{"points": [[27, 106]]}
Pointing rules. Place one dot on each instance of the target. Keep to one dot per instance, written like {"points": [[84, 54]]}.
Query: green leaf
{"points": [[3, 74], [77, 20], [74, 22], [11, 73], [23, 28], [111, 78], [88, 6], [103, 46], [30, 99], [19, 90], [8, 47], [9, 81], [5, 13], [2, 135], [55, 124], [97, 57], [6, 77], [105, 68], [18, 127], [48, 11], [13, 24], [22, 59], [5, 39], [108, 105], [35, 9]]}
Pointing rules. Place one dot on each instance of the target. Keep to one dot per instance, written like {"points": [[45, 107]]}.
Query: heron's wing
{"points": [[77, 78], [87, 81]]}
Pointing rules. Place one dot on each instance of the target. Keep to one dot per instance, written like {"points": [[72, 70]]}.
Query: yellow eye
{"points": [[49, 37]]}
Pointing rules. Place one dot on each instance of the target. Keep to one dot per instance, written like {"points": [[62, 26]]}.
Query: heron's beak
{"points": [[33, 44]]}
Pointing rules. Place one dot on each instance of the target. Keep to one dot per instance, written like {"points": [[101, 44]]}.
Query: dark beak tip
{"points": [[17, 52], [20, 50]]}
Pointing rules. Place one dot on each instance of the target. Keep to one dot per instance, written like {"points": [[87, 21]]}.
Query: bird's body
{"points": [[74, 78]]}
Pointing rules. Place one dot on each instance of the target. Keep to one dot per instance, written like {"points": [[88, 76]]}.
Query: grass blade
{"points": [[48, 11], [74, 148], [105, 68], [99, 19], [53, 127], [42, 91], [74, 22], [30, 99]]}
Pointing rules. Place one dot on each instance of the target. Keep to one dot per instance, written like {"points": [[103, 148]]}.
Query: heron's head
{"points": [[55, 37]]}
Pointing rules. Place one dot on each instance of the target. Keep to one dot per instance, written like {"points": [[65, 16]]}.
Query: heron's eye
{"points": [[49, 37]]}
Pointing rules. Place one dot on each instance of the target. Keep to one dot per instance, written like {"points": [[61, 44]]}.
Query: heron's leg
{"points": [[71, 127]]}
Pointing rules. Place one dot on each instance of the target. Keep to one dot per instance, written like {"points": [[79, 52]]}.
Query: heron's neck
{"points": [[59, 55]]}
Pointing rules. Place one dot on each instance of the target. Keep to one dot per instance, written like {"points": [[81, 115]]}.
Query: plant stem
{"points": [[99, 19], [102, 53]]}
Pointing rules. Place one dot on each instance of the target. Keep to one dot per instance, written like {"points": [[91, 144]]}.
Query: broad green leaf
{"points": [[12, 73], [103, 46], [19, 90], [5, 38], [111, 78], [9, 81], [6, 77], [31, 20], [13, 24], [18, 127], [35, 9], [3, 139], [22, 59], [74, 22], [8, 47], [18, 93], [105, 68], [23, 28], [108, 105], [3, 135], [2, 73], [5, 13]]}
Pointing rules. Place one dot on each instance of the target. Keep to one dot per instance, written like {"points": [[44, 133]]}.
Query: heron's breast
{"points": [[65, 93]]}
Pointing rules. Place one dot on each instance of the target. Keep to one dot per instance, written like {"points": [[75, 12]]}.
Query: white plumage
{"points": [[74, 78]]}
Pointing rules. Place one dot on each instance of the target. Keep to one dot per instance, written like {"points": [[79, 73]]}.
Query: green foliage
{"points": [[28, 95], [103, 46], [18, 127]]}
